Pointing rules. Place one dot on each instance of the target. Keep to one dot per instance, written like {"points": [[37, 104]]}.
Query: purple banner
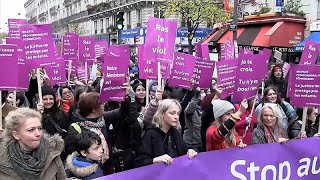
{"points": [[115, 75], [8, 67], [37, 44], [81, 73], [202, 50], [252, 70], [100, 48], [296, 159], [203, 73], [286, 67], [56, 71], [310, 53], [304, 86], [226, 72], [70, 46], [182, 70], [229, 49], [23, 66], [160, 40], [86, 49], [147, 68], [13, 25]]}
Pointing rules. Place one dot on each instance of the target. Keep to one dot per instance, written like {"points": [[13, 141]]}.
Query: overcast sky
{"points": [[10, 9]]}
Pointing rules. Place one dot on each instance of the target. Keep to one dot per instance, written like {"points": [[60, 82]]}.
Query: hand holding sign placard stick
{"points": [[39, 86]]}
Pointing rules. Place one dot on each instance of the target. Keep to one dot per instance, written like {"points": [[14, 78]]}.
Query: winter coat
{"points": [[287, 114], [157, 143], [192, 136], [53, 169], [81, 168], [48, 119], [281, 84], [258, 135], [295, 128], [151, 110], [214, 141], [242, 125]]}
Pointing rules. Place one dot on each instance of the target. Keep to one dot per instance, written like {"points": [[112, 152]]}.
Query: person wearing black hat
{"points": [[54, 120]]}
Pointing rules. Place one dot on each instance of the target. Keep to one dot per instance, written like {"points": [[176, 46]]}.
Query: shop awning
{"points": [[262, 40], [229, 34], [314, 36], [216, 35]]}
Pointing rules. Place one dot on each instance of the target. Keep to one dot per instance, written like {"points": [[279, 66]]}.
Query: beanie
{"points": [[220, 107], [46, 90]]}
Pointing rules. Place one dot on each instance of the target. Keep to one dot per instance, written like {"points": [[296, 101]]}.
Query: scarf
{"points": [[272, 135], [97, 128], [67, 104], [28, 164]]}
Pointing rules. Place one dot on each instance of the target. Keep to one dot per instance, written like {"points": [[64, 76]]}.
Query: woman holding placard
{"points": [[270, 129], [271, 95], [162, 141]]}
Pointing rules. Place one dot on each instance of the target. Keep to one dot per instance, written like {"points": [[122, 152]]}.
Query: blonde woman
{"points": [[26, 153], [162, 141], [270, 129]]}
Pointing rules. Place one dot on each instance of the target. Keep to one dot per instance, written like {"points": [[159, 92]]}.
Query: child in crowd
{"points": [[85, 162]]}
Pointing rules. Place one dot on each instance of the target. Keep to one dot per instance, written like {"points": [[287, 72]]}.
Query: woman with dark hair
{"points": [[271, 95], [140, 91], [21, 99], [312, 124], [66, 98], [53, 119]]}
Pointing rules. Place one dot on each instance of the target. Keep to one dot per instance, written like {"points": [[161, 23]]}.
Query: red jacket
{"points": [[215, 142], [241, 125]]}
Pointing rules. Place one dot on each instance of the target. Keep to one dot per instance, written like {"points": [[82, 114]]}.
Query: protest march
{"points": [[88, 110]]}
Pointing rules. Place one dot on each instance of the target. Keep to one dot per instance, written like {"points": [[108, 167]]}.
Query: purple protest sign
{"points": [[115, 74], [286, 67], [226, 72], [182, 70], [100, 47], [81, 73], [229, 49], [23, 66], [296, 159], [160, 40], [86, 49], [122, 51], [202, 50], [56, 71], [203, 71], [304, 87], [37, 44], [8, 67], [147, 68], [310, 53], [13, 26], [70, 46], [252, 70]]}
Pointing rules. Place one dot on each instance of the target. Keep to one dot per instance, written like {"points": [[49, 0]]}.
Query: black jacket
{"points": [[295, 128], [281, 84], [157, 143], [58, 117]]}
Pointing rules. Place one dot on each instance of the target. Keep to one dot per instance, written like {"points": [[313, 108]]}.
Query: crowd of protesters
{"points": [[71, 134]]}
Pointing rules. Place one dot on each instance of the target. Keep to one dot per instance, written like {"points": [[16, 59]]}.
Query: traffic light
{"points": [[120, 20]]}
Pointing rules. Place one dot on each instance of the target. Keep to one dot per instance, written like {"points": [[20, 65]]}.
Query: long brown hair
{"points": [[265, 93]]}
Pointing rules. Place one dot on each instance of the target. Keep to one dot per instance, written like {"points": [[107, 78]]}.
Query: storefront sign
{"points": [[315, 26]]}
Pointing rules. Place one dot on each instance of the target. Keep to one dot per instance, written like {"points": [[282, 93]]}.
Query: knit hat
{"points": [[46, 90], [276, 68], [220, 107]]}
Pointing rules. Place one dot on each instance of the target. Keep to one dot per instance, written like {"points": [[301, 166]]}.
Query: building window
{"points": [[101, 25], [107, 24], [129, 18], [139, 16], [95, 26]]}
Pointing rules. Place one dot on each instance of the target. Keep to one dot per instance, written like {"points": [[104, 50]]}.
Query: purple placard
{"points": [[252, 70], [86, 49], [202, 50], [147, 68], [203, 73], [70, 46], [8, 67], [23, 66], [13, 25], [115, 75], [122, 51], [286, 67], [310, 53], [100, 48], [160, 40], [296, 159], [81, 73], [182, 70], [226, 72], [56, 71], [37, 44], [304, 86], [229, 49]]}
